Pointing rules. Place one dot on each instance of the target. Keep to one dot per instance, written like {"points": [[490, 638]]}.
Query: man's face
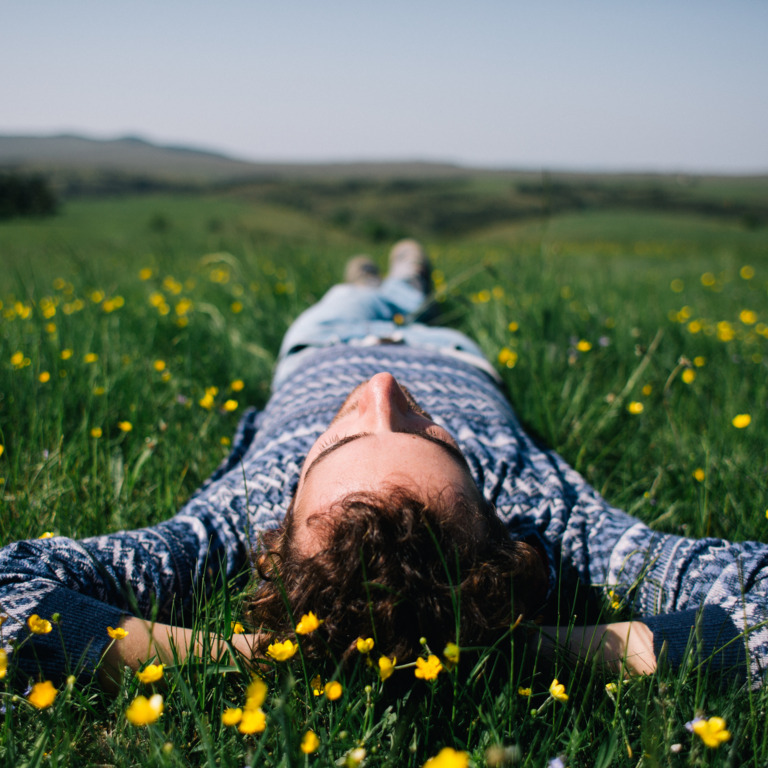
{"points": [[379, 438]]}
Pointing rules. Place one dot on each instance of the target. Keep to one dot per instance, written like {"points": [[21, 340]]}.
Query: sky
{"points": [[658, 85]]}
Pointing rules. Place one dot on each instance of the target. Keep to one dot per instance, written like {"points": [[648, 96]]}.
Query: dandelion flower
{"points": [[386, 667], [308, 624], [448, 757], [309, 743], [145, 711], [117, 633], [252, 721], [712, 732], [151, 673], [429, 668], [42, 695], [231, 716], [557, 691], [333, 690], [39, 626], [364, 645], [741, 420], [282, 651], [125, 426]]}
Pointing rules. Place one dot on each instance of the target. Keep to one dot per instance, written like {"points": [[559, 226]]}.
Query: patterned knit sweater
{"points": [[164, 570]]}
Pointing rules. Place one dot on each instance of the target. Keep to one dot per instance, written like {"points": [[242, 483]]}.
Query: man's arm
{"points": [[622, 645]]}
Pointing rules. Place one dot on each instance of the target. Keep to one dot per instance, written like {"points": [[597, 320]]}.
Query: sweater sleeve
{"points": [[160, 572]]}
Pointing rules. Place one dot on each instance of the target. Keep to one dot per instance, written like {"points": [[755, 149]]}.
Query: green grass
{"points": [[628, 284]]}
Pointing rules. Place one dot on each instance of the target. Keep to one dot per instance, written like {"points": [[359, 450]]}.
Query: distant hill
{"points": [[67, 158]]}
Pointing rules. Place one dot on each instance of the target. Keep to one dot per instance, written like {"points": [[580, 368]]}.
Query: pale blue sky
{"points": [[592, 84]]}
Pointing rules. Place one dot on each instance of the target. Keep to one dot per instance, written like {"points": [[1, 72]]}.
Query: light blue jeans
{"points": [[363, 314]]}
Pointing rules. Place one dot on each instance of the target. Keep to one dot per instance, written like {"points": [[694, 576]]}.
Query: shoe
{"points": [[408, 261], [360, 270]]}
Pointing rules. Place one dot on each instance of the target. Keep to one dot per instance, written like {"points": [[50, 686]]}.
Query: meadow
{"points": [[134, 331]]}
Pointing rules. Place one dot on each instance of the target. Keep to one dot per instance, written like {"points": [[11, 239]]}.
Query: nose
{"points": [[383, 406]]}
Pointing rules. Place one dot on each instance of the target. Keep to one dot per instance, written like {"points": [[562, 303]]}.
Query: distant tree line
{"points": [[26, 196]]}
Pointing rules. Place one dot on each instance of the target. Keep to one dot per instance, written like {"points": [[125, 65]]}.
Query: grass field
{"points": [[629, 341]]}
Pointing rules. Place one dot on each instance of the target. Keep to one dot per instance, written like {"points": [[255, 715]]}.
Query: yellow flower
{"points": [[308, 623], [748, 316], [42, 695], [66, 354], [451, 654], [117, 633], [39, 626], [125, 426], [230, 405], [237, 385], [3, 663], [523, 691], [255, 693], [91, 357], [699, 361], [611, 687], [206, 401], [647, 389], [282, 651], [747, 272], [145, 273], [2, 449], [386, 667], [429, 668], [96, 432], [231, 716], [44, 377], [309, 743], [635, 407], [741, 420], [583, 345], [364, 645], [557, 691], [448, 757], [144, 711], [688, 376], [333, 690], [159, 365], [46, 535], [317, 685], [253, 721], [699, 475], [237, 628], [151, 673], [712, 732], [508, 357]]}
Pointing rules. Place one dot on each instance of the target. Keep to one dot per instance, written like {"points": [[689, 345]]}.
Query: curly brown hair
{"points": [[398, 569]]}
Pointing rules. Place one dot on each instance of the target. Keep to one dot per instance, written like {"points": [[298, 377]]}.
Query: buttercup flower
{"points": [[237, 628], [451, 655], [150, 674], [255, 693], [557, 691], [39, 626], [159, 365], [308, 623], [125, 426], [741, 420], [96, 432], [364, 645], [46, 535], [237, 385], [699, 475], [317, 685], [523, 691], [448, 757], [230, 405], [252, 721], [42, 695], [3, 663], [429, 668], [144, 711], [333, 690], [282, 651], [712, 732], [635, 407], [231, 716], [117, 633], [386, 667], [309, 743]]}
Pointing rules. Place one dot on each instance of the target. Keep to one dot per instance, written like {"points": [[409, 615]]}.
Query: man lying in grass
{"points": [[388, 488]]}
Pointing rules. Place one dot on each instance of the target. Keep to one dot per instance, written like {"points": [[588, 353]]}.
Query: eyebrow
{"points": [[451, 450]]}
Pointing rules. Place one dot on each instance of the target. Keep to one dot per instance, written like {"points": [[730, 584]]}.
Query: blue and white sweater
{"points": [[160, 571]]}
